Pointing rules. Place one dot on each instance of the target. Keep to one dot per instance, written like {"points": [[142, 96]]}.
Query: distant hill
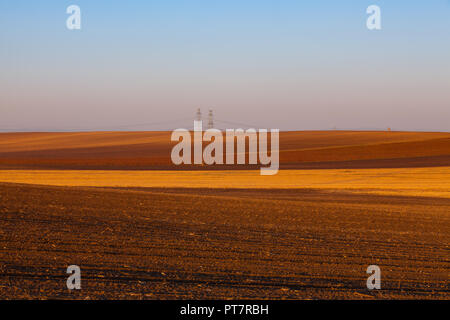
{"points": [[151, 150]]}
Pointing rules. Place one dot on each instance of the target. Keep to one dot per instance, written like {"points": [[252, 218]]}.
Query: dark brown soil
{"points": [[180, 243]]}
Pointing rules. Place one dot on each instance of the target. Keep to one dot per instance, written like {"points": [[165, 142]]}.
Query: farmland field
{"points": [[140, 228], [433, 181], [151, 150]]}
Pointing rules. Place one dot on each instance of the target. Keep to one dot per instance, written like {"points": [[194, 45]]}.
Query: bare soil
{"points": [[146, 243]]}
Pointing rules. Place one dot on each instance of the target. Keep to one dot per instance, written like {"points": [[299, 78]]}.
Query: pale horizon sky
{"points": [[286, 64]]}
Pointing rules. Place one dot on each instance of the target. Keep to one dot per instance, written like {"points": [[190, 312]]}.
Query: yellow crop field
{"points": [[433, 182]]}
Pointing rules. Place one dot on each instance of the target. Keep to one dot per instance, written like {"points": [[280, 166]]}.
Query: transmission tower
{"points": [[198, 115], [210, 119]]}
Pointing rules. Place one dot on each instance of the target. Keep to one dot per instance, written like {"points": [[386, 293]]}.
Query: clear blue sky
{"points": [[285, 64]]}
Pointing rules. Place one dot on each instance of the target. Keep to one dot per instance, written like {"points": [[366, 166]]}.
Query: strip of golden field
{"points": [[430, 182]]}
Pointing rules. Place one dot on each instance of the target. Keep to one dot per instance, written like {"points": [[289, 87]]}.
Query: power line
{"points": [[102, 128], [237, 124]]}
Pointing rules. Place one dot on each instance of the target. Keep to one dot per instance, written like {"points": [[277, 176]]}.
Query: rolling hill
{"points": [[151, 150]]}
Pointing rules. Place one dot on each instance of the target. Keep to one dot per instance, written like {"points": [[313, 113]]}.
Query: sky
{"points": [[284, 64]]}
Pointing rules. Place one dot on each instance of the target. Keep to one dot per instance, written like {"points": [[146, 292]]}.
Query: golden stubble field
{"points": [[431, 182]]}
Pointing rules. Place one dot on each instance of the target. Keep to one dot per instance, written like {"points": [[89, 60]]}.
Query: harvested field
{"points": [[216, 243], [151, 150], [434, 182], [141, 228]]}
